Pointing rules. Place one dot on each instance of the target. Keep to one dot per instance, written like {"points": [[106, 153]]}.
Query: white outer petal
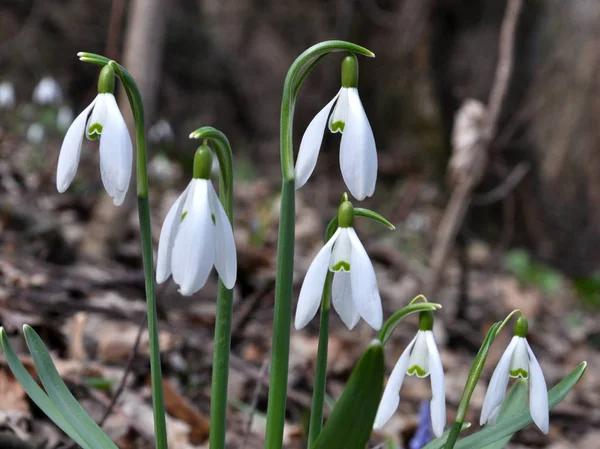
{"points": [[364, 284], [391, 395], [312, 287], [498, 383], [193, 251], [358, 154], [341, 292], [167, 237], [116, 153], [68, 159], [311, 144], [538, 392], [225, 254], [438, 391]]}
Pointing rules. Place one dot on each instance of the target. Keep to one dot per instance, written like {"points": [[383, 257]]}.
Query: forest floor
{"points": [[70, 266]]}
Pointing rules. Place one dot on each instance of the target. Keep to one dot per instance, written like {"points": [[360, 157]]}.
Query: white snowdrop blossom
{"points": [[100, 120], [355, 293], [47, 92], [64, 118], [517, 361], [196, 235], [7, 95], [420, 358], [35, 133], [358, 154]]}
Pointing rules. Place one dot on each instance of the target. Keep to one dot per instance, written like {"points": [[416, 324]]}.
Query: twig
{"points": [[255, 395], [505, 188], [469, 175]]}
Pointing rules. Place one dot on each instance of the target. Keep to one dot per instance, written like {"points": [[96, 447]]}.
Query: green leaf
{"points": [[62, 397], [351, 422], [439, 442], [515, 401], [515, 423], [37, 395]]}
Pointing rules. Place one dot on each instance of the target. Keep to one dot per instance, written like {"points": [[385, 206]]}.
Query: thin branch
{"points": [[469, 175]]}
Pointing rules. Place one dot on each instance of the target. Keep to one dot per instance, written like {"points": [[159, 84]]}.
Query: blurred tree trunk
{"points": [[143, 56]]}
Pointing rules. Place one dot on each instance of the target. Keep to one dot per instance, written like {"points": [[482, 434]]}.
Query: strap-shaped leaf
{"points": [[511, 425], [37, 395], [351, 422], [515, 400], [62, 397]]}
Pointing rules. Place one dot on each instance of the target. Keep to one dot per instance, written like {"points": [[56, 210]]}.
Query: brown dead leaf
{"points": [[180, 408], [12, 395]]}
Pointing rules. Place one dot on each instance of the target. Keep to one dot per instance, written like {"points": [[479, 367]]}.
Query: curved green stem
{"points": [[137, 106], [280, 348], [388, 327], [223, 322]]}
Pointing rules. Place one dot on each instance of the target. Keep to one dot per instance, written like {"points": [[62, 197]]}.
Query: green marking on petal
{"points": [[341, 265], [416, 369], [214, 219], [337, 127], [183, 215], [519, 372], [94, 131]]}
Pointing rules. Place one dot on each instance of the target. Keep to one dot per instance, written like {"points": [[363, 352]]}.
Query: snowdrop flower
{"points": [[517, 361], [354, 289], [197, 234], [420, 358], [47, 92], [358, 155], [100, 120], [64, 118], [35, 133], [7, 95]]}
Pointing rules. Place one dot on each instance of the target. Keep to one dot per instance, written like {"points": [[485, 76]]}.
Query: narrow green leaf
{"points": [[515, 423], [62, 397], [37, 395], [351, 422], [367, 213], [515, 400]]}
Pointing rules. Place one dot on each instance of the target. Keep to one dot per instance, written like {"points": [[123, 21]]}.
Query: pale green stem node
{"points": [[203, 160], [106, 80], [350, 71], [426, 320]]}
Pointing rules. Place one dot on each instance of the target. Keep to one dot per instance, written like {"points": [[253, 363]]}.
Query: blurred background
{"points": [[524, 233]]}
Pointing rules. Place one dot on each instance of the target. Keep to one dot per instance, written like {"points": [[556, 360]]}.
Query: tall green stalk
{"points": [[137, 106], [285, 247], [222, 342]]}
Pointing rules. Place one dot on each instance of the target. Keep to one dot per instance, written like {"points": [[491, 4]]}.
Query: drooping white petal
{"points": [[391, 395], [341, 292], [364, 284], [358, 154], [167, 237], [519, 363], [225, 255], [116, 153], [538, 392], [193, 252], [337, 120], [498, 383], [312, 287], [438, 391], [311, 144], [418, 364], [70, 151], [342, 251]]}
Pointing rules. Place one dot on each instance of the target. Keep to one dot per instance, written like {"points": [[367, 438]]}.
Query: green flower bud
{"points": [[106, 80], [203, 162], [521, 327], [350, 71], [426, 320]]}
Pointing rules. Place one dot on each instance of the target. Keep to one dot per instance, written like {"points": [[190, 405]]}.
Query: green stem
{"points": [[222, 342], [318, 398], [280, 347], [472, 380], [137, 106]]}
